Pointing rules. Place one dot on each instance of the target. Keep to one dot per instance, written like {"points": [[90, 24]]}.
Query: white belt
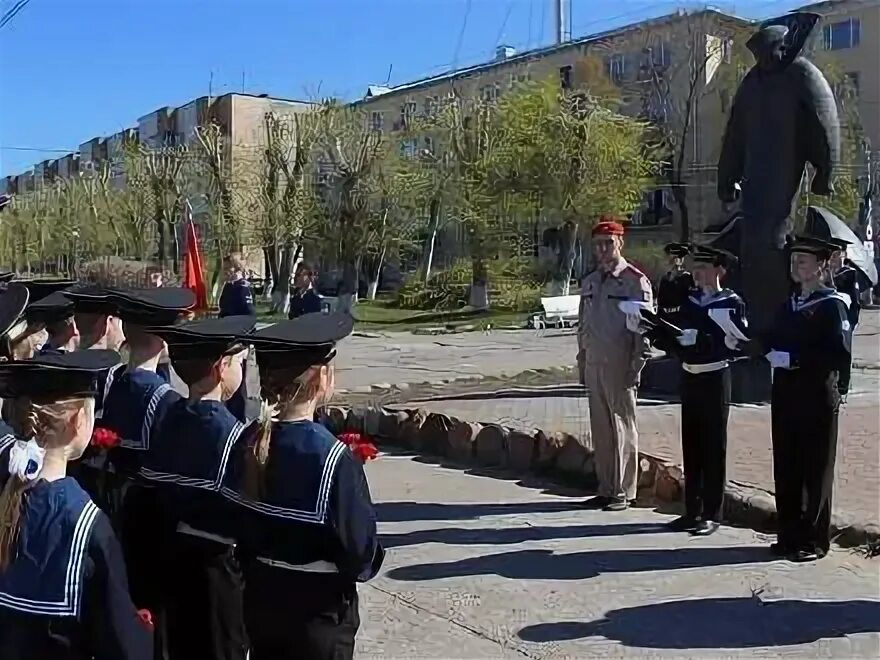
{"points": [[319, 566], [183, 528], [705, 368]]}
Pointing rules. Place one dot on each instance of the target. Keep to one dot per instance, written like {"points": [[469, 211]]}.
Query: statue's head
{"points": [[769, 48]]}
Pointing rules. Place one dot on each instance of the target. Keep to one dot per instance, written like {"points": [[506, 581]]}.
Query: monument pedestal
{"points": [[750, 379]]}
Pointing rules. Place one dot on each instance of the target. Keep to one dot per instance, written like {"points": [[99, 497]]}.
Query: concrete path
{"points": [[749, 455], [483, 568]]}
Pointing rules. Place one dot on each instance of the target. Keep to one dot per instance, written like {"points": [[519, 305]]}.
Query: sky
{"points": [[71, 70]]}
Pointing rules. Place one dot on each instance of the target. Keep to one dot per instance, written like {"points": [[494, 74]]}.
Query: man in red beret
{"points": [[611, 355]]}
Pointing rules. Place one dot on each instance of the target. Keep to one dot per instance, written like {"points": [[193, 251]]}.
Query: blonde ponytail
{"points": [[38, 422]]}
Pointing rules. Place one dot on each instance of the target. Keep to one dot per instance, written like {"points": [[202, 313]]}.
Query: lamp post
{"points": [[75, 257]]}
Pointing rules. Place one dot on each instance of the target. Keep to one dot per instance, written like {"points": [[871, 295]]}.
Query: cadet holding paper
{"points": [[713, 324]]}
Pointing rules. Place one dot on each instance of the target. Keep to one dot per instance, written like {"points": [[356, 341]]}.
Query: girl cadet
{"points": [[713, 322], [63, 591], [312, 527], [807, 347], [192, 440]]}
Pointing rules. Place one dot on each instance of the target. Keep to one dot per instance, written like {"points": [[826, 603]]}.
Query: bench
{"points": [[559, 311]]}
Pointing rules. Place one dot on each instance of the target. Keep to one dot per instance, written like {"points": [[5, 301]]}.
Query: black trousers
{"points": [[299, 616], [237, 402], [705, 407], [204, 618], [804, 415]]}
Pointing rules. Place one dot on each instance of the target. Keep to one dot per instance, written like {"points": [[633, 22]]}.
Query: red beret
{"points": [[607, 226]]}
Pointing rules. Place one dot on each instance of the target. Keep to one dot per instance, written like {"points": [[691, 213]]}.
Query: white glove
{"points": [[634, 322], [779, 359], [731, 342], [688, 337]]}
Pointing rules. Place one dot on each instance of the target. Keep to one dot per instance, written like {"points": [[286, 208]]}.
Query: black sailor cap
{"points": [[13, 301], [206, 339], [301, 342], [156, 306], [711, 255], [56, 376]]}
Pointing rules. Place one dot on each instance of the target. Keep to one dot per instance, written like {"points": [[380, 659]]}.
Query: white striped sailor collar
{"points": [[322, 500], [108, 383], [213, 484], [718, 296], [143, 443], [819, 295], [70, 600]]}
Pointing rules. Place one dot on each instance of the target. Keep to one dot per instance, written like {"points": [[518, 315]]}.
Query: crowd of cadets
{"points": [[809, 348], [138, 523]]}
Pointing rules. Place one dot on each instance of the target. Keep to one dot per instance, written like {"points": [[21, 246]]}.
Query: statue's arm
{"points": [[733, 146], [818, 123]]}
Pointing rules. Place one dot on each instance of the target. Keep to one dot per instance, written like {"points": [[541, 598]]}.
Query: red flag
{"points": [[193, 275]]}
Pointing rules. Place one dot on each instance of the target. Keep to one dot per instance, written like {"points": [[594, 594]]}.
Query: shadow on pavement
{"points": [[712, 623], [547, 565], [409, 511], [456, 535], [568, 391]]}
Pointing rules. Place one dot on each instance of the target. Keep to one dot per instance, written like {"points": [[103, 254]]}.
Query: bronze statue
{"points": [[783, 116]]}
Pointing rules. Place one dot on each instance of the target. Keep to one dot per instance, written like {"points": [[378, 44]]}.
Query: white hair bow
{"points": [[26, 459]]}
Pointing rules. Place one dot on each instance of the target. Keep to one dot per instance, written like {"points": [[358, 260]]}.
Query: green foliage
{"points": [[649, 258], [514, 286]]}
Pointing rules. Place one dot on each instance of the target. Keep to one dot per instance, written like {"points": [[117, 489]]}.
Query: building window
{"points": [[519, 78], [489, 93], [565, 77], [432, 103], [659, 54], [429, 144], [407, 113], [844, 34], [409, 148], [377, 121], [616, 68]]}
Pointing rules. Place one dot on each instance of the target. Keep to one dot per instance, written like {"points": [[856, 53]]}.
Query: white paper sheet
{"points": [[721, 316]]}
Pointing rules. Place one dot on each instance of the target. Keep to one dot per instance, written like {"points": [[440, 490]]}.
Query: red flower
{"points": [[104, 438], [350, 438], [146, 618], [360, 446]]}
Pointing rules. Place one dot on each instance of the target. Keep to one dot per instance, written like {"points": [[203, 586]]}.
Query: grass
{"points": [[384, 315]]}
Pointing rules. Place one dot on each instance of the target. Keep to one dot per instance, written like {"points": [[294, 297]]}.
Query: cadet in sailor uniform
{"points": [[237, 299], [13, 301], [676, 285], [705, 351], [63, 589], [807, 347], [192, 440], [845, 279], [55, 312], [312, 527], [132, 396]]}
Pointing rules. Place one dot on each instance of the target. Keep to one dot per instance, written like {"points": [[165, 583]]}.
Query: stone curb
{"points": [[559, 457]]}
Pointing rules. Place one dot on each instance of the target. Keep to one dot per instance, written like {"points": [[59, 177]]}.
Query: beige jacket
{"points": [[602, 333]]}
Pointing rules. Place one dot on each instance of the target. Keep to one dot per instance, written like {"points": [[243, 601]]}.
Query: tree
{"points": [[289, 207], [570, 158], [166, 176], [674, 83], [350, 155], [214, 181]]}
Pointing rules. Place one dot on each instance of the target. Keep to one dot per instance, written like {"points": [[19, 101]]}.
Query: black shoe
{"points": [[597, 502], [705, 528], [683, 524], [804, 555], [781, 549], [616, 505]]}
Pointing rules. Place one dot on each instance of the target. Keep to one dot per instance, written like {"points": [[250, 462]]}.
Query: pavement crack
{"points": [[473, 631]]}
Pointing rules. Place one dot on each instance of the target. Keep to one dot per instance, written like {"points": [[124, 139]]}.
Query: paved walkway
{"points": [[482, 568], [407, 358], [749, 455]]}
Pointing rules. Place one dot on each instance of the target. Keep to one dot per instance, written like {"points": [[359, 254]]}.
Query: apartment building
{"points": [[690, 52], [849, 37]]}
